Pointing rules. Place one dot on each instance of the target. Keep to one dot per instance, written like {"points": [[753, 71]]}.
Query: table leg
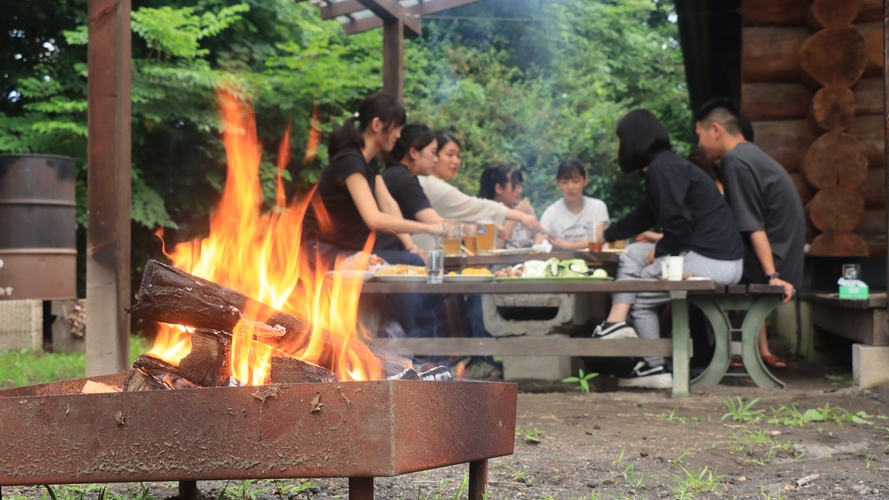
{"points": [[750, 341], [681, 339], [361, 488], [188, 490], [722, 331], [478, 479]]}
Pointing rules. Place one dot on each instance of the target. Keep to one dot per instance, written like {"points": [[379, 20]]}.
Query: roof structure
{"points": [[398, 18]]}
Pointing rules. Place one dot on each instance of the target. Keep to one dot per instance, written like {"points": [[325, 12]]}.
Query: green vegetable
{"points": [[552, 267]]}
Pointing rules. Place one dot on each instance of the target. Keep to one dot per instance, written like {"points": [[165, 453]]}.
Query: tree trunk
{"points": [[874, 189], [775, 101], [805, 191], [836, 209], [832, 109], [771, 54], [839, 245], [836, 160], [834, 56], [831, 14], [785, 141], [774, 13], [870, 131], [170, 295]]}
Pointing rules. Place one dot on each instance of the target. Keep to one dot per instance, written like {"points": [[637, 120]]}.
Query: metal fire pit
{"points": [[52, 434]]}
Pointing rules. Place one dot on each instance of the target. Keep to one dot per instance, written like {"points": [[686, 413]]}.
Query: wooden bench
{"points": [[714, 301]]}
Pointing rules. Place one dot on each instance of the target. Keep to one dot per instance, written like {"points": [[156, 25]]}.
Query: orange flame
{"points": [[258, 254], [314, 138]]}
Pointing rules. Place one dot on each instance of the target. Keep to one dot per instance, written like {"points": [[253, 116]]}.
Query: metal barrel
{"points": [[38, 252]]}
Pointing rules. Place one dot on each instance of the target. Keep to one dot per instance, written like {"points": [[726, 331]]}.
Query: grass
{"points": [[29, 367], [742, 412]]}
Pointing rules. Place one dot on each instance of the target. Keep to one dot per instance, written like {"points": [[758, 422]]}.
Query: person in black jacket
{"points": [[697, 224]]}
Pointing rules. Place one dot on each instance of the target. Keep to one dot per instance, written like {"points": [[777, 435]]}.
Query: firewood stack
{"points": [[217, 313], [812, 86]]}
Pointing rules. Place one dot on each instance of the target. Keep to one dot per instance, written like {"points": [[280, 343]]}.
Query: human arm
{"points": [[560, 244], [373, 217], [648, 237], [667, 185], [763, 250], [637, 220], [450, 203]]}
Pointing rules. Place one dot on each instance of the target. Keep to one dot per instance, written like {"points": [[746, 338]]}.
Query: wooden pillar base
{"points": [[188, 490], [361, 488], [478, 479]]}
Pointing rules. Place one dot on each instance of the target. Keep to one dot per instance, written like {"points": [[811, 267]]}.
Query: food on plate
{"points": [[510, 272], [472, 271], [403, 270], [552, 268], [361, 261], [600, 273]]}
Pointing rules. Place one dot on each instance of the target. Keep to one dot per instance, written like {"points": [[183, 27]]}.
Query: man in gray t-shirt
{"points": [[762, 196]]}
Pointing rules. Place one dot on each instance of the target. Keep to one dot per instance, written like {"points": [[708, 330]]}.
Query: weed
{"points": [[869, 460], [742, 412], [672, 417], [582, 380], [533, 437], [681, 458], [289, 490], [770, 496], [620, 458], [692, 484]]}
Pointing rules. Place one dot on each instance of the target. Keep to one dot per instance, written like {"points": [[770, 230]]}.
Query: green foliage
{"points": [[582, 380], [693, 484], [742, 412]]}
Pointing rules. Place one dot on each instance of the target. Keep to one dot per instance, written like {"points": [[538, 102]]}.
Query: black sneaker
{"points": [[647, 377], [619, 330]]}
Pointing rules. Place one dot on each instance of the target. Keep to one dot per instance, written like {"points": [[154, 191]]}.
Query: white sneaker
{"points": [[647, 377], [619, 330]]}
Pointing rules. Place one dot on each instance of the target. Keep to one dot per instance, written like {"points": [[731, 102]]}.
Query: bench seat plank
{"points": [[527, 346]]}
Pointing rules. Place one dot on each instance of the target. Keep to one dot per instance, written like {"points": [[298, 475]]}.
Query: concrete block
{"points": [[537, 367], [870, 366], [21, 324], [501, 327]]}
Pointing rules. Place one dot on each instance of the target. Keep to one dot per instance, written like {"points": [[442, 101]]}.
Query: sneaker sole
{"points": [[623, 333], [662, 381]]}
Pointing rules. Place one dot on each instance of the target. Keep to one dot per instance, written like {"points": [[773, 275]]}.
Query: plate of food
{"points": [[402, 273], [552, 270], [469, 275]]}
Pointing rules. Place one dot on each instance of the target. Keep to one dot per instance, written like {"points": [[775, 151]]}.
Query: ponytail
{"points": [[376, 105], [501, 175]]}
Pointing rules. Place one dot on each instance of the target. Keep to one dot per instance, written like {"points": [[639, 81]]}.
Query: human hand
{"points": [[788, 288], [531, 222], [423, 254], [650, 259], [524, 206], [649, 237]]}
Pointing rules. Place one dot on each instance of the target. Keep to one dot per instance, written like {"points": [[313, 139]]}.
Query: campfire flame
{"points": [[258, 254]]}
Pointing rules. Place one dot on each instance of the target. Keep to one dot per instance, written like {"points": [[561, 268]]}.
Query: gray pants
{"points": [[643, 312]]}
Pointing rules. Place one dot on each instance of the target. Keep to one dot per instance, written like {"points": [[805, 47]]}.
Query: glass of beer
{"points": [[470, 237], [595, 237], [452, 236], [486, 236]]}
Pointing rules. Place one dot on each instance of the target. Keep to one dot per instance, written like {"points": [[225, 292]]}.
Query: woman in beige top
{"points": [[450, 203]]}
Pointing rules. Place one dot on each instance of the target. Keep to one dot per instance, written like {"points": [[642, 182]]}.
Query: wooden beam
{"points": [[421, 9], [109, 151], [393, 58], [391, 10], [337, 9]]}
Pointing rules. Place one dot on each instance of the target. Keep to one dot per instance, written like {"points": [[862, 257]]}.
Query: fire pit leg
{"points": [[361, 488], [478, 479], [188, 490]]}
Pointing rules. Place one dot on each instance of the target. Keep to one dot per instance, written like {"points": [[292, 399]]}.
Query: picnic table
{"points": [[606, 259]]}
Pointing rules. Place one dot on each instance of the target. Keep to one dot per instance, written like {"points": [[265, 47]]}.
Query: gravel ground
{"points": [[611, 444]]}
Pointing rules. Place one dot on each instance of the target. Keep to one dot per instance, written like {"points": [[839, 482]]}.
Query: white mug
{"points": [[671, 268]]}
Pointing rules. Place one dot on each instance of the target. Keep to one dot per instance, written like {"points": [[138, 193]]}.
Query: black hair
{"points": [[501, 175], [642, 137], [699, 158], [376, 105], [725, 113], [444, 138], [414, 135], [566, 167]]}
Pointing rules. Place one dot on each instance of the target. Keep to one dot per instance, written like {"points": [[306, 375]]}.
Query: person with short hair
{"points": [[697, 224], [764, 200], [567, 221]]}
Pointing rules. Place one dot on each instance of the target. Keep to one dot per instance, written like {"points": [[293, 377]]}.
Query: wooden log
{"points": [[874, 189], [834, 56], [869, 10], [805, 191], [170, 295], [873, 41], [873, 221], [207, 363], [870, 131], [774, 13], [839, 245], [771, 54], [764, 101], [152, 374], [836, 209], [786, 141], [287, 370], [869, 96], [836, 160], [876, 243], [831, 14], [832, 109]]}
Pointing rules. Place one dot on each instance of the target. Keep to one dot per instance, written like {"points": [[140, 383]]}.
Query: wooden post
{"points": [[393, 58], [108, 189], [478, 479], [886, 118]]}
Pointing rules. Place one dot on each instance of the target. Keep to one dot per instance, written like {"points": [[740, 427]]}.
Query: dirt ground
{"points": [[643, 444]]}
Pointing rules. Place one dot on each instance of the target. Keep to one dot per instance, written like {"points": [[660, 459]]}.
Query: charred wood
{"points": [[287, 370]]}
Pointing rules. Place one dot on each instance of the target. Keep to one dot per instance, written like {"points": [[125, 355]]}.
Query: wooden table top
{"points": [[517, 258], [521, 286]]}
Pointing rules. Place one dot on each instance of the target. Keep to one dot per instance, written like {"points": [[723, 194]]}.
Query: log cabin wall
{"points": [[812, 86]]}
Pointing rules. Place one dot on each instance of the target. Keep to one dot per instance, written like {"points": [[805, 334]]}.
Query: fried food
{"points": [[510, 272], [403, 270]]}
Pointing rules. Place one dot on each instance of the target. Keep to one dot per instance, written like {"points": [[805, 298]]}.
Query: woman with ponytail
{"points": [[503, 184]]}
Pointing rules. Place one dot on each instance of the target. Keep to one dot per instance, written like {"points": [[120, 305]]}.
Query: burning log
{"points": [[170, 295], [152, 374], [206, 364], [287, 370]]}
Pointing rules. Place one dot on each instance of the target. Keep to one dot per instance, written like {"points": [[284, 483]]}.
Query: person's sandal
{"points": [[774, 362]]}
